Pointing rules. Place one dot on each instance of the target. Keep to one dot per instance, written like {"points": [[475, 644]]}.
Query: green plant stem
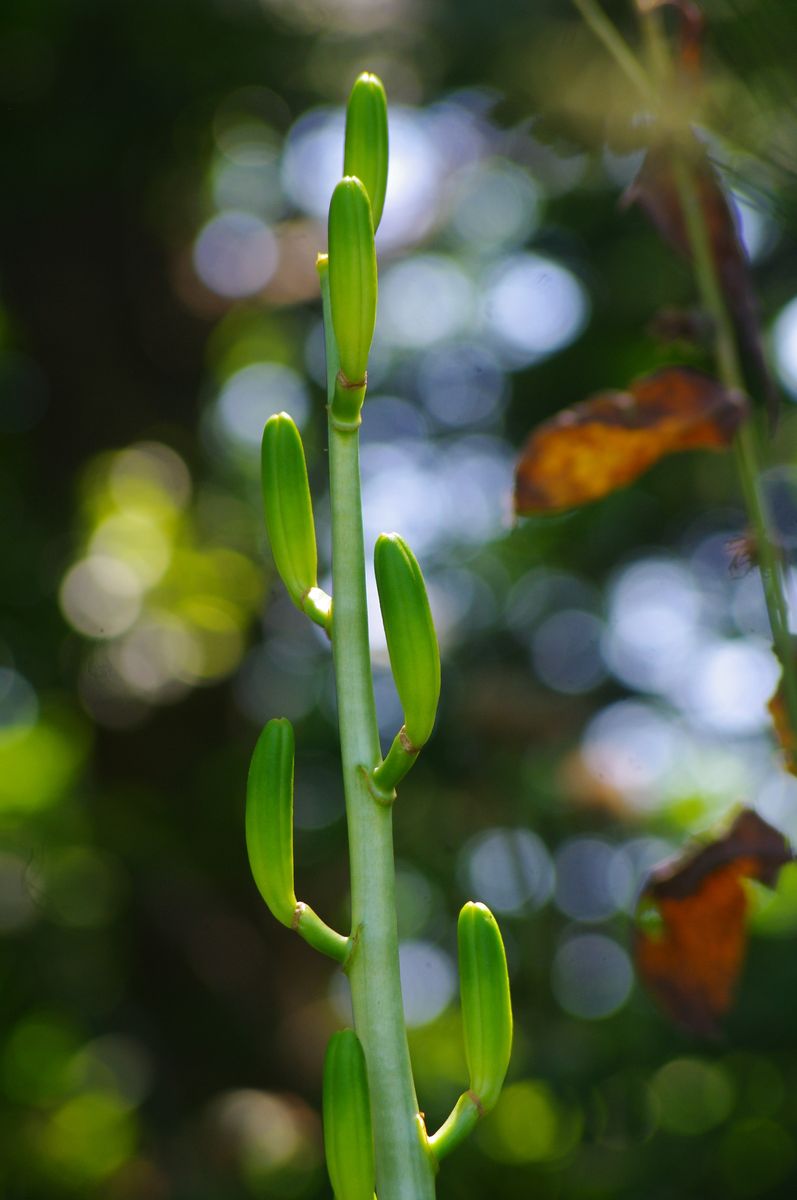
{"points": [[389, 774], [404, 1166], [460, 1123], [317, 605], [659, 60], [345, 398], [607, 32], [746, 448], [728, 363], [318, 934]]}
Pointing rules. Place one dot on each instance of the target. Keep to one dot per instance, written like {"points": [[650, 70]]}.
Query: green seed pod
{"points": [[348, 1142], [288, 507], [269, 819], [411, 638], [366, 151], [486, 1004], [352, 277]]}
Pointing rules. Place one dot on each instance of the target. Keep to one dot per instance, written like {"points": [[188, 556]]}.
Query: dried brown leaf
{"points": [[607, 441], [691, 963]]}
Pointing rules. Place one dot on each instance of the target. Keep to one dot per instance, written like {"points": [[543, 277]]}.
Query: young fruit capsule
{"points": [[366, 151], [411, 638], [348, 1142], [269, 819], [352, 278], [288, 507], [486, 1004]]}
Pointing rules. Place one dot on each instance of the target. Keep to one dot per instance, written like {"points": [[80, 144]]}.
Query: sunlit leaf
{"points": [[691, 957], [607, 441]]}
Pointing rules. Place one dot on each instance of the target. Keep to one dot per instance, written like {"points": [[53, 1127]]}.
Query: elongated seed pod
{"points": [[348, 1141], [486, 1003], [352, 276], [366, 151], [288, 507], [411, 638], [269, 819]]}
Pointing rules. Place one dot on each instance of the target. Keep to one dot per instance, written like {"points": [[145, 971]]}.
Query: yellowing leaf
{"points": [[607, 441]]}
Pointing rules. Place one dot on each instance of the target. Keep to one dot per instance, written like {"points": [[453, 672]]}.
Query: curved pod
{"points": [[411, 638], [486, 1003], [288, 507], [348, 1140], [352, 277], [366, 149], [269, 819]]}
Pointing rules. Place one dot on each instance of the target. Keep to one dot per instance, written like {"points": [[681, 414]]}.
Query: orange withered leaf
{"points": [[604, 443], [691, 961], [655, 190]]}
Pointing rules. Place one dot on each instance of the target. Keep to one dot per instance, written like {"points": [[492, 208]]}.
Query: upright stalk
{"points": [[404, 1167], [607, 32], [731, 375], [745, 445], [374, 1135], [712, 297]]}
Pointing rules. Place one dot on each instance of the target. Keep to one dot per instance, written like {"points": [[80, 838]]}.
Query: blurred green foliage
{"points": [[604, 674]]}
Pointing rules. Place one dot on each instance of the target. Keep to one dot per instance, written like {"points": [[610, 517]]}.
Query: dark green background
{"points": [[160, 1036]]}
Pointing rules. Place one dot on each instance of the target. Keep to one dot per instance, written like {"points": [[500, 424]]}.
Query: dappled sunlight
{"points": [[532, 307], [591, 976], [607, 660], [235, 254], [169, 606], [511, 868]]}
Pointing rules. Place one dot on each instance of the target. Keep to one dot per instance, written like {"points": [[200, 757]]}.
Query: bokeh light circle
{"points": [[428, 981], [510, 869], [532, 307], [235, 254], [591, 976]]}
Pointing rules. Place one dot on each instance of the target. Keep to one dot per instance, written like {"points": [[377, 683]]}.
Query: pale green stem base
{"points": [[460, 1123], [389, 773], [404, 1171], [317, 605], [318, 934]]}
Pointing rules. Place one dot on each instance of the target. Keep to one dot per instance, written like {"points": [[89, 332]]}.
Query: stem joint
{"points": [[385, 797]]}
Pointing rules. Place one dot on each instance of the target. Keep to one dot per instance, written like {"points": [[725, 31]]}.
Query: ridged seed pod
{"points": [[352, 276], [348, 1141], [486, 1003], [411, 638], [269, 819], [366, 151], [288, 507]]}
